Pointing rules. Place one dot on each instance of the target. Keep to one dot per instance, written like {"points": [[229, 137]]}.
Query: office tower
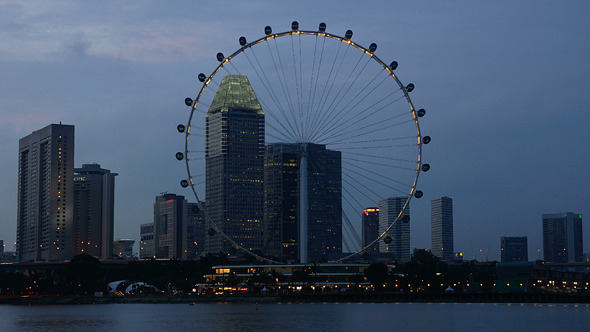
{"points": [[170, 213], [123, 247], [1, 245], [147, 244], [281, 208], [281, 171], [514, 249], [441, 218], [562, 237], [370, 225], [389, 209], [196, 230], [94, 211], [46, 194], [234, 155]]}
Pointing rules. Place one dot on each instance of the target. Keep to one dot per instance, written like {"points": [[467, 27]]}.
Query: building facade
{"points": [[94, 211], [234, 156], [562, 237], [370, 230], [123, 248], [170, 213], [389, 209], [441, 218], [196, 230], [514, 249], [46, 194], [147, 244]]}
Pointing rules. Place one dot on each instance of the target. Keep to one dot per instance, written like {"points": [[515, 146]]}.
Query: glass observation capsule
{"points": [[184, 183], [202, 77], [348, 34], [267, 30], [295, 26], [242, 41], [387, 239], [372, 47], [393, 65], [188, 102], [179, 155], [410, 87], [406, 219], [421, 112], [211, 232], [180, 128], [220, 57], [195, 209], [426, 139], [425, 167], [418, 194], [322, 27]]}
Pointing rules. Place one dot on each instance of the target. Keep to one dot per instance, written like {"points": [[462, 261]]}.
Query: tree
{"points": [[377, 274]]}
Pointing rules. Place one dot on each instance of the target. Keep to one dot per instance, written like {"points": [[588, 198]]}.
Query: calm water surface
{"points": [[297, 317]]}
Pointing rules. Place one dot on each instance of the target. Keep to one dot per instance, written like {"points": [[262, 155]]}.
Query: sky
{"points": [[504, 84]]}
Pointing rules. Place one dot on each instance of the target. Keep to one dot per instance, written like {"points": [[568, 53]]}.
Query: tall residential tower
{"points": [[562, 237], [389, 209], [441, 218], [46, 194]]}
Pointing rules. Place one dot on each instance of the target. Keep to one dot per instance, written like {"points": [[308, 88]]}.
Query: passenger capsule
{"points": [[410, 87], [202, 77], [421, 112], [372, 47], [242, 41], [387, 239], [180, 128], [393, 65], [425, 167], [220, 57], [195, 209], [426, 139], [295, 26], [179, 155], [322, 27], [267, 30], [406, 219], [418, 194], [188, 102], [348, 34], [211, 232], [184, 183]]}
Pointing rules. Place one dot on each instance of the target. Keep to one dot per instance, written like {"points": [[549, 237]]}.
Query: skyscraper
{"points": [[234, 156], [281, 204], [370, 225], [170, 212], [46, 194], [94, 211], [441, 218], [196, 231], [562, 237], [389, 209], [514, 249], [147, 244]]}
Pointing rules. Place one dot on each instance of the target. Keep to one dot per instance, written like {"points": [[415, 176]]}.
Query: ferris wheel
{"points": [[342, 130]]}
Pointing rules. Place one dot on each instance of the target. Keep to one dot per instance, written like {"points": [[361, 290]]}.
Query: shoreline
{"points": [[309, 298]]}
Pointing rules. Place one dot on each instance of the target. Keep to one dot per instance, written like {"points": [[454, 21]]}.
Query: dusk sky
{"points": [[505, 85]]}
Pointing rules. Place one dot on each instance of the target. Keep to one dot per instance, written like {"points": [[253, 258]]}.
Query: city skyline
{"points": [[483, 100]]}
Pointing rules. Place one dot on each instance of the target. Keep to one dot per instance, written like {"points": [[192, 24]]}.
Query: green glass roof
{"points": [[235, 93]]}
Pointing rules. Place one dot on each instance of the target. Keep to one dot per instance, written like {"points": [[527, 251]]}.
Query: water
{"points": [[297, 317]]}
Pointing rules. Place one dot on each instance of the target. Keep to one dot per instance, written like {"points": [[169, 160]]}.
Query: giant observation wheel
{"points": [[319, 91]]}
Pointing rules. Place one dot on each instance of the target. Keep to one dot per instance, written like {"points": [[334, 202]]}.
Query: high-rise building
{"points": [[370, 229], [196, 231], [234, 156], [46, 194], [562, 237], [281, 209], [147, 244], [389, 209], [94, 211], [170, 213], [123, 247], [441, 218], [514, 249]]}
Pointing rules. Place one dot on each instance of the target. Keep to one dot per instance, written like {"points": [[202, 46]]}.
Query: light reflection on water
{"points": [[297, 317]]}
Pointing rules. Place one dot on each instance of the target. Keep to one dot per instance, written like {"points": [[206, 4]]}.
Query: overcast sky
{"points": [[505, 85]]}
